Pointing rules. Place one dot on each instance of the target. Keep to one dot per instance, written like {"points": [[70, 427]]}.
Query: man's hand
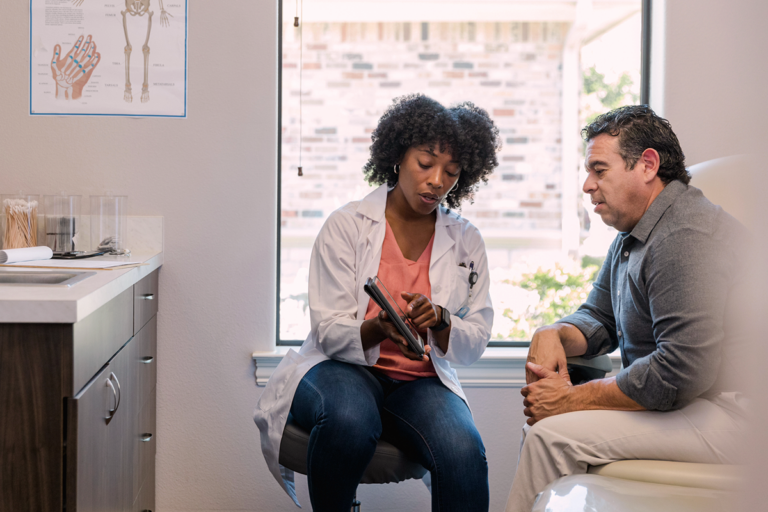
{"points": [[389, 330], [551, 395], [547, 351], [547, 396]]}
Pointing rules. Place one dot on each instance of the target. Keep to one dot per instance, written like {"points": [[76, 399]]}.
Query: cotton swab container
{"points": [[19, 221]]}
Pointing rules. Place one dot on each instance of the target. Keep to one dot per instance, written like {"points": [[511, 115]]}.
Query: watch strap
{"points": [[445, 320]]}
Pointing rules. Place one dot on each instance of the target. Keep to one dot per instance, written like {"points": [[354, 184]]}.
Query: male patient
{"points": [[665, 297]]}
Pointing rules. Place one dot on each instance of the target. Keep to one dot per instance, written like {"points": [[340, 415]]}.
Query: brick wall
{"points": [[351, 73]]}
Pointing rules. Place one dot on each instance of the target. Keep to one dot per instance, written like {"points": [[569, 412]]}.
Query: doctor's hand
{"points": [[389, 330], [548, 396], [421, 311]]}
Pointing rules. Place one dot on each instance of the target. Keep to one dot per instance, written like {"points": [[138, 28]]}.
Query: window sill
{"points": [[499, 367]]}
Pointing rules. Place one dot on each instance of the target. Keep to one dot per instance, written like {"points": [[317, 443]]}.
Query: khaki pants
{"points": [[707, 430]]}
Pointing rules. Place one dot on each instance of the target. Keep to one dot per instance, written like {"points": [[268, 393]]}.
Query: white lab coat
{"points": [[346, 253]]}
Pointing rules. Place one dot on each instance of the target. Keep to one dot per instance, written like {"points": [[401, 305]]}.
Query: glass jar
{"points": [[62, 223], [19, 221], [109, 224]]}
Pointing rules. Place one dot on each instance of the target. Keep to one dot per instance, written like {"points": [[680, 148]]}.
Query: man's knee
{"points": [[550, 434]]}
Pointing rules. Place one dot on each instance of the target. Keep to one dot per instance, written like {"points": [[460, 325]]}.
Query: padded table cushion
{"points": [[389, 464], [595, 493], [703, 476]]}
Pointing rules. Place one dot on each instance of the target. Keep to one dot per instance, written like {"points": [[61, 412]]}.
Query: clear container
{"points": [[19, 225], [62, 223], [109, 224]]}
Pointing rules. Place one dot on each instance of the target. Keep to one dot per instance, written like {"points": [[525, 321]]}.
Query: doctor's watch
{"points": [[445, 320]]}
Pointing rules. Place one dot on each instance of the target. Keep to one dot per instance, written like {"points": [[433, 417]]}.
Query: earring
{"points": [[397, 168]]}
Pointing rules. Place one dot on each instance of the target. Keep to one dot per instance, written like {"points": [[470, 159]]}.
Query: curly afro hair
{"points": [[465, 131]]}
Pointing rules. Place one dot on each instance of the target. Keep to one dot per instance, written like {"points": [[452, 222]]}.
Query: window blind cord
{"points": [[300, 12]]}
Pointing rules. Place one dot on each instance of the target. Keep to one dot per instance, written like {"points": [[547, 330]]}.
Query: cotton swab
{"points": [[20, 224]]}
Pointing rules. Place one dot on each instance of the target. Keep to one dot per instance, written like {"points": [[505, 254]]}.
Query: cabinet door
{"points": [[146, 468], [146, 341], [145, 300], [102, 453], [86, 448], [121, 430], [146, 364]]}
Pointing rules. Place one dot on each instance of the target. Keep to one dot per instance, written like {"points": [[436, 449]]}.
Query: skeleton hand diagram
{"points": [[73, 71], [140, 8]]}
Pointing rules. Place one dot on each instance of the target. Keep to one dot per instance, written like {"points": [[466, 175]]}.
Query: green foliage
{"points": [[561, 291], [611, 95]]}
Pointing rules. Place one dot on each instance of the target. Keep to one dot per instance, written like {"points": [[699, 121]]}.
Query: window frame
{"points": [[645, 80]]}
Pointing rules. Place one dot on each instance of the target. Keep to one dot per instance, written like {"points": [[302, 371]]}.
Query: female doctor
{"points": [[354, 379]]}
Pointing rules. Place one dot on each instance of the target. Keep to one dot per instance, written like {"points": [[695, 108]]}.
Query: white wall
{"points": [[213, 178], [715, 75]]}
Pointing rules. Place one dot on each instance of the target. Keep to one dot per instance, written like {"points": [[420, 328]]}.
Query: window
{"points": [[542, 69]]}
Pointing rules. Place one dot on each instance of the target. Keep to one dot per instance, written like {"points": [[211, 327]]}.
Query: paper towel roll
{"points": [[28, 254]]}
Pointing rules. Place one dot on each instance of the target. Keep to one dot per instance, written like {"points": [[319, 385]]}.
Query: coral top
{"points": [[402, 275]]}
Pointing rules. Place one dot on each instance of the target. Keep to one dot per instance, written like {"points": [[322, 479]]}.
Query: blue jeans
{"points": [[347, 408]]}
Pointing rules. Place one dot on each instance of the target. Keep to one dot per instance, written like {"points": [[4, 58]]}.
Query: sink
{"points": [[43, 277]]}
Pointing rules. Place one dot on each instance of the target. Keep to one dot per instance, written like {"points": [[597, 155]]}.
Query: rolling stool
{"points": [[389, 464]]}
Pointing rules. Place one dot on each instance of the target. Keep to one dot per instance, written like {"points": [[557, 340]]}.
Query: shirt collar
{"points": [[374, 204], [655, 212]]}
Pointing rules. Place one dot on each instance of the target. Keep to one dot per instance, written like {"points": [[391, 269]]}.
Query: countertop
{"points": [[68, 305]]}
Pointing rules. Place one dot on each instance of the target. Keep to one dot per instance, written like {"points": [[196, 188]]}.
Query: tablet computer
{"points": [[376, 290]]}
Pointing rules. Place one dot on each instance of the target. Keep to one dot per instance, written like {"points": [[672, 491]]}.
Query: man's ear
{"points": [[651, 161]]}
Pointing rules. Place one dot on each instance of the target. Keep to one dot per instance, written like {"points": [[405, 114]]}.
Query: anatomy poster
{"points": [[108, 57]]}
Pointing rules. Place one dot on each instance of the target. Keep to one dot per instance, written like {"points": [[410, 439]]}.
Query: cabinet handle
{"points": [[148, 296], [118, 394], [147, 360], [114, 392], [145, 438]]}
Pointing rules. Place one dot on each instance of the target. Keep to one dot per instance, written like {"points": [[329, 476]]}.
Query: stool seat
{"points": [[389, 464]]}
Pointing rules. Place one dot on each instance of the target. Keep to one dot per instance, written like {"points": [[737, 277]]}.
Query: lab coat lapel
{"points": [[438, 266], [372, 207], [443, 239]]}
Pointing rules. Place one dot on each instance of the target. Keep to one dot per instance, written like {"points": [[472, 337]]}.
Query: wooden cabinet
{"points": [[77, 409]]}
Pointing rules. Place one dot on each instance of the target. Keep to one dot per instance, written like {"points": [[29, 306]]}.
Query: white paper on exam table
{"points": [[75, 264]]}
